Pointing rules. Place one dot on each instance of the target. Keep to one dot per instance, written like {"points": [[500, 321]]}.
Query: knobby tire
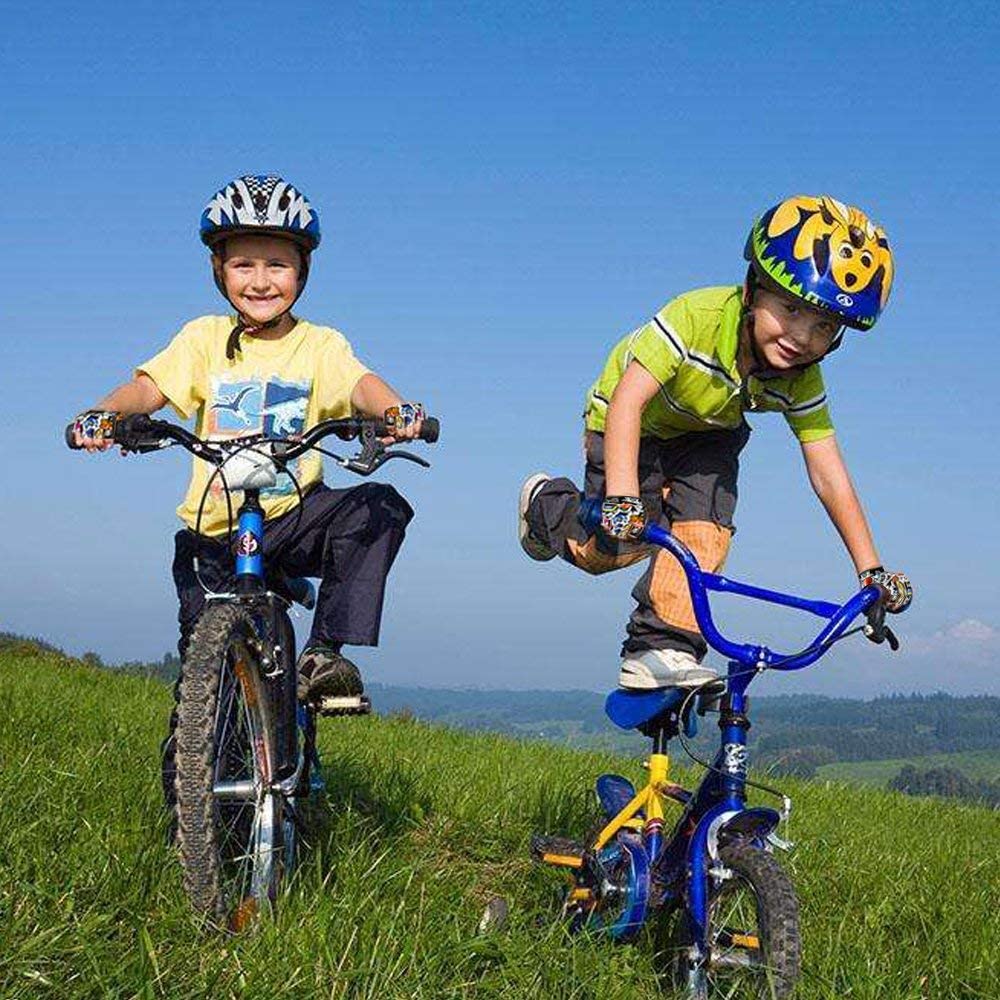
{"points": [[772, 896], [231, 852]]}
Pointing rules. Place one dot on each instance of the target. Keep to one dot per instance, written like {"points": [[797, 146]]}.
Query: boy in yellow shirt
{"points": [[267, 371], [665, 424]]}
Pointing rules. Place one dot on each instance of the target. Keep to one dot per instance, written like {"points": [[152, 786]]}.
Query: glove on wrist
{"points": [[897, 586], [623, 518], [98, 425], [404, 415]]}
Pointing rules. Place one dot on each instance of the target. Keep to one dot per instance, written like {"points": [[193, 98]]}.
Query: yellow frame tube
{"points": [[648, 796]]}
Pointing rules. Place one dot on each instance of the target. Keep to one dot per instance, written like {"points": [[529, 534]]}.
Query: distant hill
{"points": [[795, 734]]}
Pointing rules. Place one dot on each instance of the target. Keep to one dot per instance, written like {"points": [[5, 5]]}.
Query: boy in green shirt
{"points": [[665, 424]]}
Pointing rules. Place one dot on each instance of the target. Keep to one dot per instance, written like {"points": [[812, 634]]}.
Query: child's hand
{"points": [[623, 518], [897, 586], [93, 430], [404, 421]]}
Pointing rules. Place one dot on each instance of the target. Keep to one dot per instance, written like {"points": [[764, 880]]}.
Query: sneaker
{"points": [[324, 672], [660, 668], [532, 546]]}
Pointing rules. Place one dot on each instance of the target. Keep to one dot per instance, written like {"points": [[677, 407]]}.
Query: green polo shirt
{"points": [[689, 347]]}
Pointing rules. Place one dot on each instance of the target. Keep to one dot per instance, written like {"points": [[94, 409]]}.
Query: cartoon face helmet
{"points": [[826, 253], [264, 205]]}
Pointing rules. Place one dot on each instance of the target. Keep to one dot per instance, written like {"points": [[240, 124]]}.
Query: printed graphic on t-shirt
{"points": [[235, 408], [243, 407]]}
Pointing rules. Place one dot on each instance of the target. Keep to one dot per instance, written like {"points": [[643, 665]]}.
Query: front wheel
{"points": [[754, 951], [230, 819]]}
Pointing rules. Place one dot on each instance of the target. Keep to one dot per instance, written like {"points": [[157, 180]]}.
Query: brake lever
{"points": [[408, 455], [877, 631]]}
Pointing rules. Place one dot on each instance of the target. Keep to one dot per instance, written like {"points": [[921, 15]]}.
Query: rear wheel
{"points": [[611, 890], [232, 825], [753, 933]]}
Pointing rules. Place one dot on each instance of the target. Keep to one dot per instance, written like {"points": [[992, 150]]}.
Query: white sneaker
{"points": [[531, 545], [661, 668]]}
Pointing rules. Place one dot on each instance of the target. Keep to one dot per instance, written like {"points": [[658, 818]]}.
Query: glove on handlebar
{"points": [[402, 416], [98, 425], [897, 586], [623, 518]]}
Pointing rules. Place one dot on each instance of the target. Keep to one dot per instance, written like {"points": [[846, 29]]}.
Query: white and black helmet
{"points": [[260, 203]]}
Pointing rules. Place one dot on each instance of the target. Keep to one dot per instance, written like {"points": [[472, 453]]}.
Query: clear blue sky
{"points": [[505, 190]]}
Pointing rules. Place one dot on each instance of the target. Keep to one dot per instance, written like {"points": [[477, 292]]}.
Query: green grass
{"points": [[973, 764], [898, 895]]}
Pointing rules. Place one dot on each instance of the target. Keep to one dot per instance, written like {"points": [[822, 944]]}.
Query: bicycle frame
{"points": [[718, 805]]}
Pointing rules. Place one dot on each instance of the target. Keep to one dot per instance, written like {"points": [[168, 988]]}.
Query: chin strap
{"points": [[242, 326]]}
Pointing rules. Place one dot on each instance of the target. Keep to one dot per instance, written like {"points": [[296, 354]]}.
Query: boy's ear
{"points": [[747, 295]]}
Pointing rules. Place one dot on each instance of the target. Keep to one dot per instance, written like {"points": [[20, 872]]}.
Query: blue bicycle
{"points": [[246, 753], [727, 915]]}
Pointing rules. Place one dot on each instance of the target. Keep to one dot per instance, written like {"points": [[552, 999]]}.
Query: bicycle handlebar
{"points": [[140, 432], [839, 616]]}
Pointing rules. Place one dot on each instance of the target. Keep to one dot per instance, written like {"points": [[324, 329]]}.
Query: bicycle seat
{"points": [[630, 709]]}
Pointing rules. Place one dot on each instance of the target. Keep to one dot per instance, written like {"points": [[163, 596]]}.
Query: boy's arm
{"points": [[372, 396], [141, 395], [622, 430], [832, 484]]}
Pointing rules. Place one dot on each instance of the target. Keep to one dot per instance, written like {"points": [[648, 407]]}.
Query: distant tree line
{"points": [[947, 782], [791, 734]]}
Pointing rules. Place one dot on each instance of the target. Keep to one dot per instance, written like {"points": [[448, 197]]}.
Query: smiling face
{"points": [[260, 275], [788, 333]]}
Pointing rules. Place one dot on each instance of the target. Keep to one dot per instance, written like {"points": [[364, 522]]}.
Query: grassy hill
{"points": [[974, 763], [899, 896]]}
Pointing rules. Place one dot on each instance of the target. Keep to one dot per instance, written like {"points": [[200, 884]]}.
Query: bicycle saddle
{"points": [[649, 710]]}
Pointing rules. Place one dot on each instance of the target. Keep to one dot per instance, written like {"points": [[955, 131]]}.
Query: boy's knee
{"points": [[593, 559], [373, 507], [389, 502], [708, 541]]}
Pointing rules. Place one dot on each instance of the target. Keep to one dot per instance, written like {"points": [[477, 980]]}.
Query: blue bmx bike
{"points": [[723, 912], [246, 753]]}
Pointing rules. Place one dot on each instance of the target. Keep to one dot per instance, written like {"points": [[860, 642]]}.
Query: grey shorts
{"points": [[687, 478]]}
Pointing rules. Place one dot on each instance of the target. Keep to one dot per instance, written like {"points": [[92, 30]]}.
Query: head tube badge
{"points": [[734, 759], [247, 544]]}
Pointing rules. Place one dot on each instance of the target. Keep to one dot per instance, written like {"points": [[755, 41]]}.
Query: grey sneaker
{"points": [[532, 546], [324, 672], [662, 668]]}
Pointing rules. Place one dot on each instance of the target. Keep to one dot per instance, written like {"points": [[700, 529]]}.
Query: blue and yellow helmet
{"points": [[260, 203], [827, 253]]}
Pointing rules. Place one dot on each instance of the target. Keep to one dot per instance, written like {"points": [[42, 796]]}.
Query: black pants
{"points": [[348, 538]]}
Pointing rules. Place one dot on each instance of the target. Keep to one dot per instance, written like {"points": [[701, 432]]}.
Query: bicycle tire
{"points": [[756, 904], [229, 820]]}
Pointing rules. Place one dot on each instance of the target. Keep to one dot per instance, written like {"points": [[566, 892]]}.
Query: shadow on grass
{"points": [[392, 798], [564, 811]]}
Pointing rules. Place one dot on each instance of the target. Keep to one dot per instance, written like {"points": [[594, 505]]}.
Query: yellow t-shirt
{"points": [[272, 387]]}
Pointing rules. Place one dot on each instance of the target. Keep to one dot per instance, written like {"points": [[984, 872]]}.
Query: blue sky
{"points": [[505, 190]]}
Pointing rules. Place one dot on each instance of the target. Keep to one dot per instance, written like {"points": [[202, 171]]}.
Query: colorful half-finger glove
{"points": [[98, 425], [896, 585], [398, 418], [623, 518]]}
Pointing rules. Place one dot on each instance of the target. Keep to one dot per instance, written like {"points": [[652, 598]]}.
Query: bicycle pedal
{"points": [[344, 705], [559, 851]]}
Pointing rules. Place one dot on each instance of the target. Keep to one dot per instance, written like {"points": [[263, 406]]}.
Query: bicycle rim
{"points": [[249, 831]]}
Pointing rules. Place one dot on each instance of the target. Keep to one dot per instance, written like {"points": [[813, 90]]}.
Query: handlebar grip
{"points": [[430, 430]]}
